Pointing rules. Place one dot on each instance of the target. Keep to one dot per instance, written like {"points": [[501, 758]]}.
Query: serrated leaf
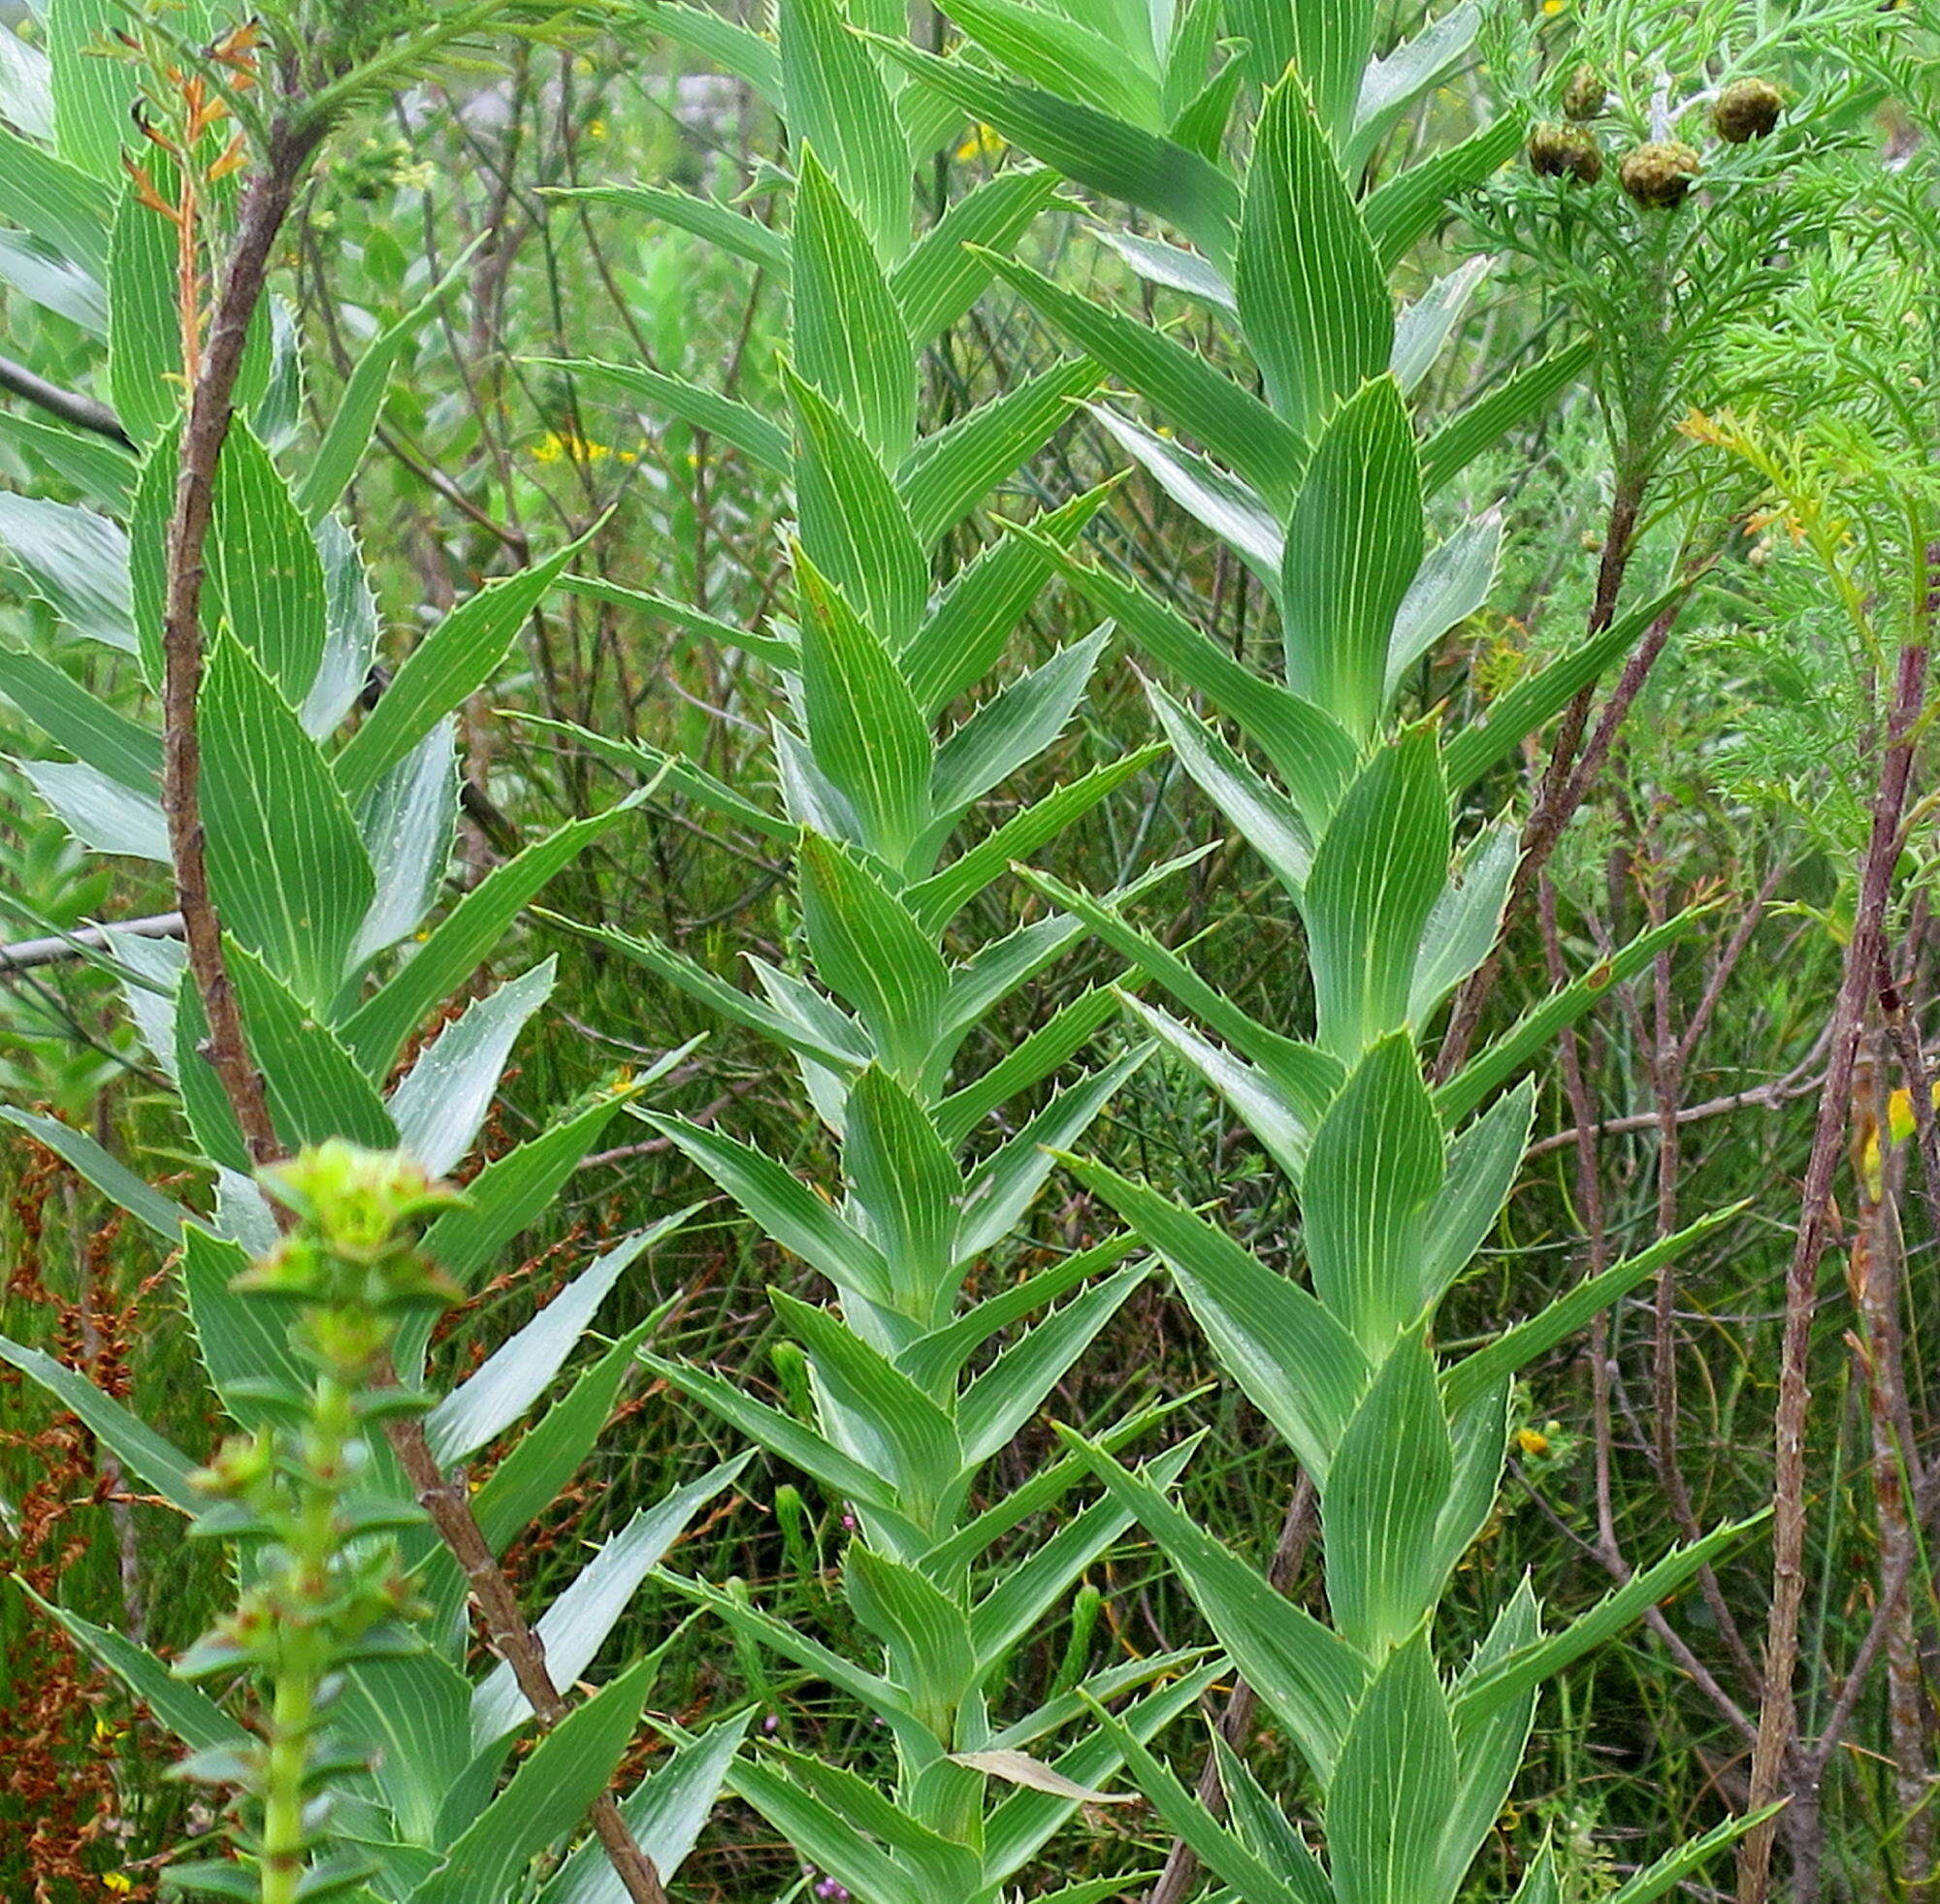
{"points": [[1309, 1677], [839, 108], [1460, 930], [966, 632], [784, 1206], [1353, 546], [942, 276], [853, 523], [83, 723], [454, 661], [191, 1714], [954, 470], [868, 734], [720, 225], [265, 567], [1375, 1165], [68, 210], [1376, 875], [1226, 418], [108, 1174], [313, 1085], [497, 1394], [1394, 1787], [850, 339], [289, 873], [452, 949], [1091, 146], [1451, 584], [666, 1813], [1295, 1361], [1380, 1503], [144, 344], [733, 422], [575, 1625], [1313, 299], [439, 1104], [1522, 1342], [548, 1795], [75, 560]]}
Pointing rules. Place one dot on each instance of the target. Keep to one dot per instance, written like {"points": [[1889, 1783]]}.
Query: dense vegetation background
{"points": [[1755, 419]]}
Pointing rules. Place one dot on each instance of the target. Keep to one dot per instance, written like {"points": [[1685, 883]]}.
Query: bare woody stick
{"points": [[1777, 1741]]}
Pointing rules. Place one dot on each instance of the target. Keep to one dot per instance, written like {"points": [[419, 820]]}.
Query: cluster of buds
{"points": [[326, 1585], [1657, 175], [376, 169], [352, 1263], [196, 109]]}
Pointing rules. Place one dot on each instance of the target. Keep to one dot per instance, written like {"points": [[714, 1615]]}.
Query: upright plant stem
{"points": [[266, 204], [1235, 1717], [1563, 785], [1777, 1739], [1874, 1272], [293, 1710]]}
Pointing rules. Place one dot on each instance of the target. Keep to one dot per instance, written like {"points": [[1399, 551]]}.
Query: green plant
{"points": [[1845, 509], [903, 1404], [327, 1586], [1407, 1760], [416, 1747], [1397, 512], [214, 635]]}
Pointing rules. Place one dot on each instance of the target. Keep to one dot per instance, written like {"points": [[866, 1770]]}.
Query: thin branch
{"points": [[1778, 1716], [24, 955], [266, 204], [69, 405], [1766, 1097]]}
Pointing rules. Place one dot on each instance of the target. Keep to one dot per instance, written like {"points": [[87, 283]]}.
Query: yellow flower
{"points": [[983, 144], [1531, 1443], [115, 1881], [1900, 1121], [558, 447]]}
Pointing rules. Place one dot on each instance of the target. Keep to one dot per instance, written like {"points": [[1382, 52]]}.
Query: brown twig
{"points": [[1761, 1097], [1562, 790], [266, 204], [1875, 1269], [69, 405], [446, 1499], [1777, 1717]]}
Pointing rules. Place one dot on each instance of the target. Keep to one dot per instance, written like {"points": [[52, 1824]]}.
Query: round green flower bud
{"points": [[1566, 153], [1586, 95], [1659, 174], [1748, 110]]}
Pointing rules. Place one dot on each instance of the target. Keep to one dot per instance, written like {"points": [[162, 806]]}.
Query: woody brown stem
{"points": [[1563, 784], [266, 204], [1777, 1741], [1875, 1267], [445, 1500]]}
